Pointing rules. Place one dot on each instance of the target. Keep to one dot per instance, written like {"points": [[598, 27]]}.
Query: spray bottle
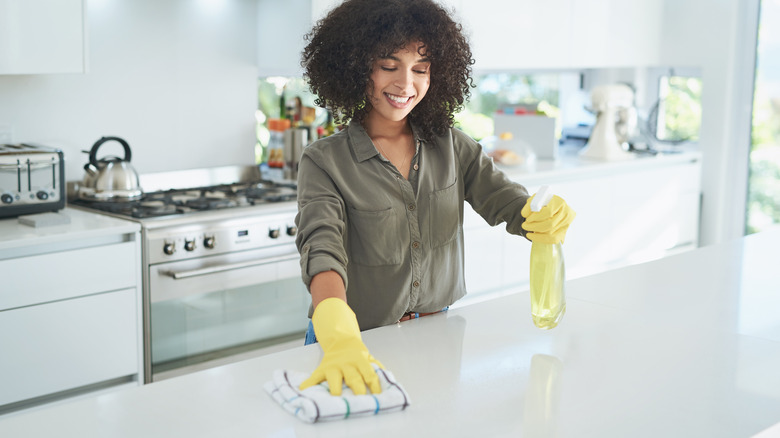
{"points": [[548, 301]]}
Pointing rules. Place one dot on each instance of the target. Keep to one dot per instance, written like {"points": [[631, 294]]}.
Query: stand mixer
{"points": [[615, 121]]}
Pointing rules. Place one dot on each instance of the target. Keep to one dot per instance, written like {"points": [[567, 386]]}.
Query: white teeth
{"points": [[399, 99]]}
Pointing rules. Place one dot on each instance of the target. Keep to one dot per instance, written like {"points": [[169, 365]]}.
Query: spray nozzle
{"points": [[541, 198]]}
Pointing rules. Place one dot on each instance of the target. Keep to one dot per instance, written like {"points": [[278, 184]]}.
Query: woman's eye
{"points": [[388, 68], [422, 72]]}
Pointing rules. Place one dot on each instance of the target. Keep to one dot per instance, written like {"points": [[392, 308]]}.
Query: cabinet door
{"points": [[615, 33], [652, 212], [41, 36], [635, 28], [319, 8], [67, 344], [482, 245], [281, 26], [68, 274], [584, 250], [516, 34], [516, 267], [623, 218]]}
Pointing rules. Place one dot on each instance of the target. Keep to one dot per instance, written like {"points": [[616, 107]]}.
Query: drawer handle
{"points": [[180, 275]]}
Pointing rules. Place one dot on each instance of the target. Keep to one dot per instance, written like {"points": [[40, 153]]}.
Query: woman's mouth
{"points": [[398, 101]]}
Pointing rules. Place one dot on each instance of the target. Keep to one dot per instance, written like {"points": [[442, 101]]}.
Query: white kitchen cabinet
{"points": [[42, 36], [69, 274], [505, 35], [517, 34], [615, 33], [281, 26], [62, 345], [321, 7], [70, 309], [560, 34], [481, 242], [627, 213]]}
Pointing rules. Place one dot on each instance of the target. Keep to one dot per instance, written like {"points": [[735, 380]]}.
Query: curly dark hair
{"points": [[343, 46]]}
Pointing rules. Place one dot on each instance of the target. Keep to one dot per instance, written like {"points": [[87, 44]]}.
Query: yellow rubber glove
{"points": [[345, 357], [548, 225]]}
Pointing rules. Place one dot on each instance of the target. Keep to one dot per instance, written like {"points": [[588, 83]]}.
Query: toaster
{"points": [[32, 179]]}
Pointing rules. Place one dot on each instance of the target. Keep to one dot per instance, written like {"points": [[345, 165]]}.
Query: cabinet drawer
{"points": [[62, 275], [58, 346], [42, 36]]}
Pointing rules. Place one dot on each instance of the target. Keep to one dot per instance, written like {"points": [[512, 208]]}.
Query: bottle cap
{"points": [[541, 198]]}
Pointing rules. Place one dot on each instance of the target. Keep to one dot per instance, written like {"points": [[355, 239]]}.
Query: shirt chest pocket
{"points": [[444, 215], [374, 238]]}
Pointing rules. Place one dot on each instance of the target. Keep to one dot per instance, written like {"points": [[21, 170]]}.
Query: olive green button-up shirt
{"points": [[397, 243]]}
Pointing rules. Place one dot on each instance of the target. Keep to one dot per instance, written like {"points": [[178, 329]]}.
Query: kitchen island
{"points": [[688, 345]]}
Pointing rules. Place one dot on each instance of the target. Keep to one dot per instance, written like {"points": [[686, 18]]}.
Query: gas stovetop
{"points": [[183, 201], [199, 190]]}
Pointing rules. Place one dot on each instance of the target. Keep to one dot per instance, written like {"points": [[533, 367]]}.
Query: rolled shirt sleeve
{"points": [[320, 237]]}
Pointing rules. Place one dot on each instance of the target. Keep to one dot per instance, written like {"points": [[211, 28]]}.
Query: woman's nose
{"points": [[404, 79]]}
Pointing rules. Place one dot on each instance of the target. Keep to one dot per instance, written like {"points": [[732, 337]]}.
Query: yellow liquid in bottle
{"points": [[548, 301]]}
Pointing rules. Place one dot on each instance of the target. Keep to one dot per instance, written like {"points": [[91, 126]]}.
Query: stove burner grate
{"points": [[208, 203], [182, 201]]}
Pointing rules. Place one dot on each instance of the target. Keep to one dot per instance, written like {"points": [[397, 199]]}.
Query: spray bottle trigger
{"points": [[541, 198]]}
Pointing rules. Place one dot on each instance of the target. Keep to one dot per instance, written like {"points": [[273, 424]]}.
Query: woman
{"points": [[381, 202]]}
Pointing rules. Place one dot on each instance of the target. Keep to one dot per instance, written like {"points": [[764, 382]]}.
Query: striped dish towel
{"points": [[316, 404]]}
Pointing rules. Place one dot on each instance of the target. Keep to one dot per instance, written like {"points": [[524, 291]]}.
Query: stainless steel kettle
{"points": [[110, 178]]}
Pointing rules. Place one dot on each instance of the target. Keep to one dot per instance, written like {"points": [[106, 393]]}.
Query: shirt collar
{"points": [[362, 145]]}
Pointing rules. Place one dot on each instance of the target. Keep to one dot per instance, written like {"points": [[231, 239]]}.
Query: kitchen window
{"points": [[763, 197], [507, 91], [672, 116], [676, 116], [273, 93]]}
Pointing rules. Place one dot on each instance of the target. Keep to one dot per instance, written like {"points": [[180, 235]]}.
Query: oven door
{"points": [[215, 310]]}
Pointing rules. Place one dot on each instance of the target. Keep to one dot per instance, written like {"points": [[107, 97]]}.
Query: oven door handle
{"points": [[229, 267]]}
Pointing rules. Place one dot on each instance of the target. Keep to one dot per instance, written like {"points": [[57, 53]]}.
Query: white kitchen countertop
{"points": [[680, 347], [570, 166], [83, 225]]}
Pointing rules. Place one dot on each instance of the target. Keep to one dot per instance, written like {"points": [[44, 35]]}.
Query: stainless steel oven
{"points": [[221, 273]]}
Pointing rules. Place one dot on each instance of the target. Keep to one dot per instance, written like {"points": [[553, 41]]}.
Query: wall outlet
{"points": [[6, 134]]}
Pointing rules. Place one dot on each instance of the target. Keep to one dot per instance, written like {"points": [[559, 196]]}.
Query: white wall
{"points": [[718, 37], [177, 79]]}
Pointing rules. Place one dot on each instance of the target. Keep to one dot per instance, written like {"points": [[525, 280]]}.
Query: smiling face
{"points": [[400, 82]]}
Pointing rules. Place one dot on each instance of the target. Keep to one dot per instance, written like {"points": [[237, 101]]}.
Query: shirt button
{"points": [[411, 207], [415, 244], [416, 284], [415, 166]]}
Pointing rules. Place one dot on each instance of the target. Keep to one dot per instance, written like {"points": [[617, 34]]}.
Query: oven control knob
{"points": [[169, 248], [42, 195], [189, 245], [273, 233], [292, 230], [6, 198], [208, 242]]}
